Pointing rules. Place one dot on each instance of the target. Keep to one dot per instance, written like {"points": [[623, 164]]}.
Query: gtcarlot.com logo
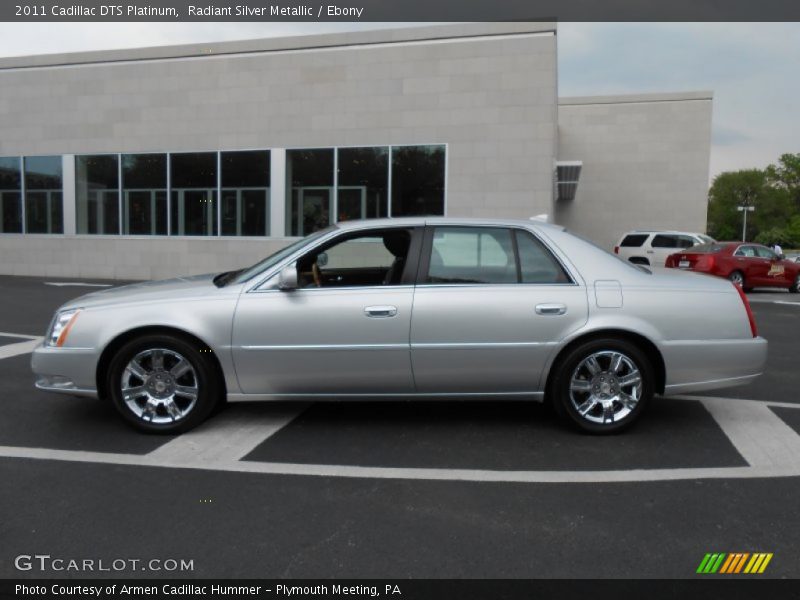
{"points": [[732, 563], [45, 562]]}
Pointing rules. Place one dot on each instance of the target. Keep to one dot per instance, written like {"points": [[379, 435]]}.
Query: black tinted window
{"points": [[633, 240], [664, 241], [537, 264]]}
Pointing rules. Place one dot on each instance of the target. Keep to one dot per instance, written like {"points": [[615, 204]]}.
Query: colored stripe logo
{"points": [[734, 563]]}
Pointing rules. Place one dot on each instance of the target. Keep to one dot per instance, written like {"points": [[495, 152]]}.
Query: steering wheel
{"points": [[315, 273]]}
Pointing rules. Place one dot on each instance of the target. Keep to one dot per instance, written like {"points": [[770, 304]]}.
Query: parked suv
{"points": [[651, 248]]}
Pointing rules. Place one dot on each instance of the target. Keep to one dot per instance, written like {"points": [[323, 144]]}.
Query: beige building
{"points": [[161, 161]]}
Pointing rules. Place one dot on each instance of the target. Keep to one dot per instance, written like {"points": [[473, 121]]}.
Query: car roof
{"points": [[421, 221]]}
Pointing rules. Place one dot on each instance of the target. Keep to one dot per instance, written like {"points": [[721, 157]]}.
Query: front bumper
{"points": [[696, 366], [65, 370]]}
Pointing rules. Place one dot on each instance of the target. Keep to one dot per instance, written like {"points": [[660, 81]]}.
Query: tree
{"points": [[729, 190], [752, 187], [786, 176]]}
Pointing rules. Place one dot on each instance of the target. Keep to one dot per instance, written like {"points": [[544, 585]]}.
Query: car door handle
{"points": [[380, 311], [551, 309]]}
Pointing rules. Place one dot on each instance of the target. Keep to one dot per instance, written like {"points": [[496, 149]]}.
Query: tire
{"points": [[602, 403], [795, 289], [737, 278], [637, 260], [174, 398]]}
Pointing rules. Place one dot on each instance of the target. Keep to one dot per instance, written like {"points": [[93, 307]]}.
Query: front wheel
{"points": [[795, 289], [163, 384], [603, 386]]}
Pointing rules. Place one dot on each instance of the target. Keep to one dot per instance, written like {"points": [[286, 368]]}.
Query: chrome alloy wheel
{"points": [[737, 278], [605, 387], [159, 386]]}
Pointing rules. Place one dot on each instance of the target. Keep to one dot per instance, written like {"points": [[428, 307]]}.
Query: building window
{"points": [[418, 176], [144, 194], [43, 194], [193, 178], [10, 195], [362, 183], [309, 190], [97, 194], [245, 192]]}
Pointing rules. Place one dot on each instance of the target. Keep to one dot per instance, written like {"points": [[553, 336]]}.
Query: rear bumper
{"points": [[695, 366], [65, 370]]}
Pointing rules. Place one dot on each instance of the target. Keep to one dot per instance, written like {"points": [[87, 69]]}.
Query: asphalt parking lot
{"points": [[396, 490]]}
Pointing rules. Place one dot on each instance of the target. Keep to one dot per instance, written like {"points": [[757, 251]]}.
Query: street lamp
{"points": [[744, 208]]}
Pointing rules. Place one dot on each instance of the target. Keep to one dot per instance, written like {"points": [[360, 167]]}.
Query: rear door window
{"points": [[664, 241], [537, 264], [491, 255], [472, 255], [633, 240]]}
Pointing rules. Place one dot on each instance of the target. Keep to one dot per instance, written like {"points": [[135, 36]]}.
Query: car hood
{"points": [[165, 289]]}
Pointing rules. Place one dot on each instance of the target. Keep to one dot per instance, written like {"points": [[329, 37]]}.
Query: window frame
{"points": [[268, 284], [427, 246]]}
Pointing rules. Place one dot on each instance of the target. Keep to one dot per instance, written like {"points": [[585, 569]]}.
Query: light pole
{"points": [[744, 208]]}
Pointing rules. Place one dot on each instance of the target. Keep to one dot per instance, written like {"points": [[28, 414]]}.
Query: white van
{"points": [[651, 248]]}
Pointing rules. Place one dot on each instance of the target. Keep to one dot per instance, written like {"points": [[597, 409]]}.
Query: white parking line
{"points": [[10, 350], [770, 446], [19, 335], [227, 437], [760, 436], [76, 284]]}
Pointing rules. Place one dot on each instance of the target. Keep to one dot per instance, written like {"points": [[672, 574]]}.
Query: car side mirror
{"points": [[287, 280]]}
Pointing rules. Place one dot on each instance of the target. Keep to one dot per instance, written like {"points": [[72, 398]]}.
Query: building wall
{"points": [[488, 91], [645, 163]]}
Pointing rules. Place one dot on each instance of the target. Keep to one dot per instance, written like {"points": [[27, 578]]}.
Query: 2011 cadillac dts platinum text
{"points": [[408, 308]]}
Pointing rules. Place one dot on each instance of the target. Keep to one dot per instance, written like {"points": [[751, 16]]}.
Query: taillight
{"points": [[616, 249], [749, 310], [670, 262]]}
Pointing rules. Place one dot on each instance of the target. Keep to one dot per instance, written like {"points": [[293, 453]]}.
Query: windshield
{"points": [[277, 257]]}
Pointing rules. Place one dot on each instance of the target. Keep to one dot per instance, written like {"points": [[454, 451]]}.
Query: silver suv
{"points": [[651, 248]]}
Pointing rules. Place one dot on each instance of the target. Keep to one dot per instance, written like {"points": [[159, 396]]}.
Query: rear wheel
{"points": [[163, 384], [603, 386], [737, 278]]}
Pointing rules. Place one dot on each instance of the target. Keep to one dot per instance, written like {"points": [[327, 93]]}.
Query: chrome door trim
{"points": [[468, 345], [329, 347], [538, 396]]}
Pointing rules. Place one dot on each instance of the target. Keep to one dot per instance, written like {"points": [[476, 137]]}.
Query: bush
{"points": [[777, 235]]}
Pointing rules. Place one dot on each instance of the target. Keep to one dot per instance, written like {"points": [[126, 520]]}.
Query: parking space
{"points": [[391, 489]]}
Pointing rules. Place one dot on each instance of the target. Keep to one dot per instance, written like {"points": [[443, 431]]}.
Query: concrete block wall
{"points": [[488, 91], [645, 163], [112, 257]]}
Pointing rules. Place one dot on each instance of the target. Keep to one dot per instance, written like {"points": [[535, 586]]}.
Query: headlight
{"points": [[62, 323]]}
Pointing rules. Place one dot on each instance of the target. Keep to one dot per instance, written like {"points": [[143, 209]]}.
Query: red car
{"points": [[747, 265]]}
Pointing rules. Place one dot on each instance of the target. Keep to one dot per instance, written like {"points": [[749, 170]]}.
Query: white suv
{"points": [[651, 248]]}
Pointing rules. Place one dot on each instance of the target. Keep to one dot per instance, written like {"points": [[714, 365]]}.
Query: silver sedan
{"points": [[408, 308]]}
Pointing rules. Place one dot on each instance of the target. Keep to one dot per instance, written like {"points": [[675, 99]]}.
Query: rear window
{"points": [[707, 248], [633, 240]]}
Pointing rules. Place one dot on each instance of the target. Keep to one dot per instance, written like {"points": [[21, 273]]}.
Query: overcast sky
{"points": [[752, 68]]}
